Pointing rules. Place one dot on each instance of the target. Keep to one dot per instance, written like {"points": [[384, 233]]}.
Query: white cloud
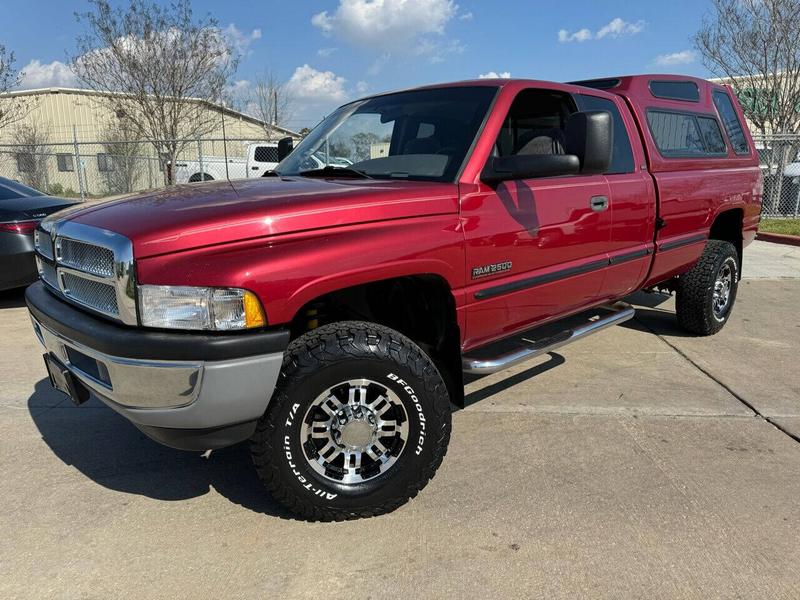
{"points": [[495, 75], [684, 57], [239, 39], [466, 16], [316, 93], [308, 83], [615, 28], [579, 36], [385, 24], [39, 75], [362, 87], [618, 27], [326, 52]]}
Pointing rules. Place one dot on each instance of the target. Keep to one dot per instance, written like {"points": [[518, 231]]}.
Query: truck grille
{"points": [[88, 266], [47, 272], [94, 294], [85, 257]]}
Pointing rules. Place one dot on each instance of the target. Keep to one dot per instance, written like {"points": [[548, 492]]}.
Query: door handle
{"points": [[598, 203], [254, 168]]}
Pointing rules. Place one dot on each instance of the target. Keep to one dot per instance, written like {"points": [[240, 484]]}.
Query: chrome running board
{"points": [[529, 349]]}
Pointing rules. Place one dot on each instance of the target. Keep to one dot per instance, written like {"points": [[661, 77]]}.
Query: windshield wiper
{"points": [[332, 171]]}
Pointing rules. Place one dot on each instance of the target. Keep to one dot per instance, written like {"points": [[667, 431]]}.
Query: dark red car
{"points": [[328, 314]]}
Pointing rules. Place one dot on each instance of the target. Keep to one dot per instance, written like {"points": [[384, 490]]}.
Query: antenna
{"points": [[225, 142]]}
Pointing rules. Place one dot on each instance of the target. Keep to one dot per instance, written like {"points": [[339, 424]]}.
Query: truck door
{"points": [[632, 202], [535, 248]]}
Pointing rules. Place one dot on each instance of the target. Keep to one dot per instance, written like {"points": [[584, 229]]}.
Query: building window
{"points": [[25, 162], [65, 162], [105, 162]]}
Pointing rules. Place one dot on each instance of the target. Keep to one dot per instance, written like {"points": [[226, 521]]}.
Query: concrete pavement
{"points": [[639, 462]]}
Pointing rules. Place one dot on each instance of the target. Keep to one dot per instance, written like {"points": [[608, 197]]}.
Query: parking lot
{"points": [[637, 463]]}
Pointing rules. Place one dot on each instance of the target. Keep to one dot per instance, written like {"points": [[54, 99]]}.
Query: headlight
{"points": [[186, 307]]}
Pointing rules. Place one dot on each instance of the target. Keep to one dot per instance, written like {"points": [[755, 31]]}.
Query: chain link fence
{"points": [[779, 158], [90, 170], [93, 170]]}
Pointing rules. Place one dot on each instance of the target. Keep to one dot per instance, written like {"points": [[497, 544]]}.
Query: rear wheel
{"points": [[358, 424], [706, 293]]}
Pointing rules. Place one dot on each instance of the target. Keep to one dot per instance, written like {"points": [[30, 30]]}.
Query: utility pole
{"points": [[78, 163]]}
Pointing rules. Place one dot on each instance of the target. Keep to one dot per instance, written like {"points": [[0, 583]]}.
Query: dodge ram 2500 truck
{"points": [[328, 314]]}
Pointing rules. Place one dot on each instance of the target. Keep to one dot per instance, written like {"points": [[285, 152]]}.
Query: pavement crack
{"points": [[720, 383]]}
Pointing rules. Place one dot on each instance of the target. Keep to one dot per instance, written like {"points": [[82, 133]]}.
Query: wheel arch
{"points": [[421, 306], [728, 226], [200, 176]]}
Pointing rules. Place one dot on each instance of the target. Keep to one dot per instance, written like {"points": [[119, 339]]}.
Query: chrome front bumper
{"points": [[170, 394], [128, 382]]}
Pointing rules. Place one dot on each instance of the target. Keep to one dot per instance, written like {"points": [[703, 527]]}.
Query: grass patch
{"points": [[786, 226]]}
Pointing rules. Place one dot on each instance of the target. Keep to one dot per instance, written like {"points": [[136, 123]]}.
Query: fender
{"points": [[289, 271]]}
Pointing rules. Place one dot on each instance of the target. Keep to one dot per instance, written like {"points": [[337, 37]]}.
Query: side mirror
{"points": [[526, 166], [285, 147], [590, 136]]}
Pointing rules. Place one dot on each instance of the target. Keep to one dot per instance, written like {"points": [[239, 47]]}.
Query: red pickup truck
{"points": [[328, 314]]}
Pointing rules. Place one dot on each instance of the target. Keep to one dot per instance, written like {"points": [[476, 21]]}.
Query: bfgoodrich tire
{"points": [[358, 424], [707, 292]]}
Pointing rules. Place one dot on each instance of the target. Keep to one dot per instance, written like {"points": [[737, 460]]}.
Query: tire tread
{"points": [[327, 345]]}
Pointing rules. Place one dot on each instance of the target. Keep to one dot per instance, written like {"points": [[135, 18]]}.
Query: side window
{"points": [[731, 122], [535, 124], [267, 154], [675, 134], [622, 155], [712, 135]]}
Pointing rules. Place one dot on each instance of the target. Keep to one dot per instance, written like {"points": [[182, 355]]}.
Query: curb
{"points": [[779, 238]]}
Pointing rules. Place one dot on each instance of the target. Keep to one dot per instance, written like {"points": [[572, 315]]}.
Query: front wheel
{"points": [[358, 424], [706, 292]]}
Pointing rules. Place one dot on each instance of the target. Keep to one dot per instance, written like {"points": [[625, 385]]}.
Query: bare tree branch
{"points": [[31, 153], [270, 101], [155, 66], [755, 46], [126, 154], [12, 108]]}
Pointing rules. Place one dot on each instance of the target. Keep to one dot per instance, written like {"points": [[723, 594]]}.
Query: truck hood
{"points": [[203, 214]]}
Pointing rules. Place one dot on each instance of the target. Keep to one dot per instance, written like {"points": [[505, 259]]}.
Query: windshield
{"points": [[422, 134], [13, 189]]}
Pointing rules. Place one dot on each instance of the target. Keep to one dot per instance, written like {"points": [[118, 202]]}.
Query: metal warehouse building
{"points": [[69, 143]]}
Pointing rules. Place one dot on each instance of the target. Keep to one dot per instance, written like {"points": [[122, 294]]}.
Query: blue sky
{"points": [[335, 50]]}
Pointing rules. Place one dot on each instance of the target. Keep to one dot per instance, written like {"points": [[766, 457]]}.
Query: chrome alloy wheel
{"points": [[354, 431], [722, 289]]}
